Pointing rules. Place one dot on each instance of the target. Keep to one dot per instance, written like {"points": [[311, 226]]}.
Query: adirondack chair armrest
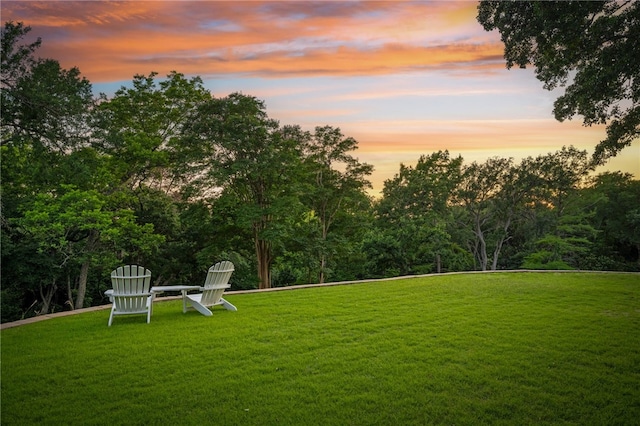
{"points": [[110, 294], [129, 294], [129, 277], [218, 286]]}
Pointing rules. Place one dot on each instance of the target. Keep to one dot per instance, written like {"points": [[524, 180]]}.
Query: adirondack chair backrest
{"points": [[217, 282], [131, 285]]}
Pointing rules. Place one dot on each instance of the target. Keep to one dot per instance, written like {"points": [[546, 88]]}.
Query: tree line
{"points": [[166, 175]]}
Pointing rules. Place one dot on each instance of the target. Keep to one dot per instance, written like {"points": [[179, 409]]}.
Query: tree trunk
{"points": [[69, 293], [263, 255], [496, 254], [323, 256], [323, 262], [438, 263], [483, 258], [500, 243], [46, 298], [84, 270], [82, 285]]}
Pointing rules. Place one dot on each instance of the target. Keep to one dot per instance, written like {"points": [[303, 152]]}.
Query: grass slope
{"points": [[502, 348]]}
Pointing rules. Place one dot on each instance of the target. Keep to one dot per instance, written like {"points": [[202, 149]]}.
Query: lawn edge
{"points": [[303, 286]]}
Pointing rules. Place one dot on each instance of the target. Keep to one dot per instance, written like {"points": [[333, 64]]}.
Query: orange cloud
{"points": [[114, 40], [119, 59]]}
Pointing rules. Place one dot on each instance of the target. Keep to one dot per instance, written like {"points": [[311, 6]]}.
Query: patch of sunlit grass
{"points": [[512, 348]]}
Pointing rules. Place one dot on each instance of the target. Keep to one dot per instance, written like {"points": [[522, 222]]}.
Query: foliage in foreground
{"points": [[510, 348]]}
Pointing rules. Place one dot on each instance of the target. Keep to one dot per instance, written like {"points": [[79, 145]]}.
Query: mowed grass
{"points": [[500, 348]]}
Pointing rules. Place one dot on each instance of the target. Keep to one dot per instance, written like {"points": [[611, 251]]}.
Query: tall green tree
{"points": [[491, 194], [44, 122], [144, 131], [43, 105], [616, 201], [337, 191], [564, 231], [44, 116], [73, 227], [259, 166], [415, 209], [588, 47], [420, 190], [556, 176]]}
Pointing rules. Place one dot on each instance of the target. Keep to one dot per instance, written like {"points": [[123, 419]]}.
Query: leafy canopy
{"points": [[589, 47]]}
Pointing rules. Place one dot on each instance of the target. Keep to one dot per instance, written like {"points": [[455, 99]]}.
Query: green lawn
{"points": [[501, 348]]}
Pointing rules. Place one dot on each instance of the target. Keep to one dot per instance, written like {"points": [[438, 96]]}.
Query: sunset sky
{"points": [[404, 78]]}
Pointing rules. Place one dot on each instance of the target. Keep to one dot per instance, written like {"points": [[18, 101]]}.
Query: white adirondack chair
{"points": [[216, 283], [130, 294]]}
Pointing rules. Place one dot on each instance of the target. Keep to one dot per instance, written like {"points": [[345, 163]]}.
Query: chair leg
{"points": [[201, 308], [111, 317], [149, 308], [184, 301], [228, 306]]}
